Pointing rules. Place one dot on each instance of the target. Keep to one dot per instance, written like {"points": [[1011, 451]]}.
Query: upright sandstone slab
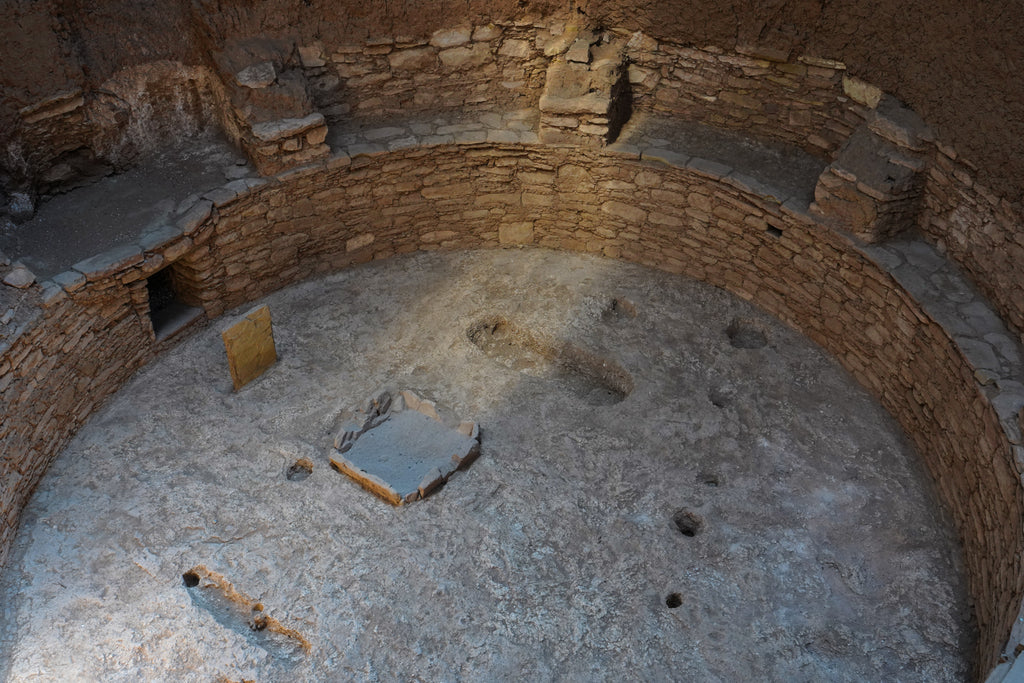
{"points": [[250, 346]]}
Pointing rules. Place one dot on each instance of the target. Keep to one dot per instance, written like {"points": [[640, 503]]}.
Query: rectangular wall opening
{"points": [[167, 312]]}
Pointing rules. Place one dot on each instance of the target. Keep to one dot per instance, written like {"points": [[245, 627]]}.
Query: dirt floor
{"points": [[672, 486]]}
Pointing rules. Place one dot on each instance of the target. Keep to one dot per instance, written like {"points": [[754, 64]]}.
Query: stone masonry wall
{"points": [[56, 371], [978, 229], [253, 237], [495, 67], [764, 92]]}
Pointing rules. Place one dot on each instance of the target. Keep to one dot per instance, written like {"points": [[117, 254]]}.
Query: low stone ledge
{"points": [[194, 217], [273, 131], [664, 156], [110, 261], [70, 280], [708, 168], [158, 237]]}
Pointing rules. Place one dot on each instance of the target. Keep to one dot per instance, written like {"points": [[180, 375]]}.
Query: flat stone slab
{"points": [[250, 346], [400, 449]]}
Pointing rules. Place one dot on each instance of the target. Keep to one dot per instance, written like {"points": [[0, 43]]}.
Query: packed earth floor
{"points": [[708, 497]]}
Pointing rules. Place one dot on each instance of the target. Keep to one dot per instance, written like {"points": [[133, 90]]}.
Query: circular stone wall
{"points": [[76, 339], [743, 507], [244, 243]]}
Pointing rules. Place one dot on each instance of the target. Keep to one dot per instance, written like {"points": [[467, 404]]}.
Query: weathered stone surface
{"points": [[192, 219], [413, 59], [896, 122], [592, 103], [283, 128], [402, 450], [579, 52], [250, 346], [257, 76], [317, 135], [55, 105], [567, 80], [312, 56], [625, 211], [70, 280], [515, 48], [19, 277], [486, 33], [159, 236], [110, 261], [516, 233], [861, 92], [453, 37], [360, 241], [665, 156], [466, 57]]}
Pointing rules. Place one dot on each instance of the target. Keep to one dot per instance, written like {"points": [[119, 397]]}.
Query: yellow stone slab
{"points": [[250, 346]]}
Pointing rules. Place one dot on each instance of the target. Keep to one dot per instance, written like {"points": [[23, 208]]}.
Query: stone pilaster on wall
{"points": [[269, 110], [586, 97], [873, 188]]}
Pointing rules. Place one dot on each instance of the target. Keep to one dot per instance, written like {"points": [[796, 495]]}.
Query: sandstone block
{"points": [[822, 62], [762, 52], [317, 135], [360, 241], [591, 103], [861, 92], [403, 450], [413, 59], [250, 346], [20, 277], [515, 48], [516, 233], [486, 33], [312, 56], [110, 261], [286, 128], [55, 105], [451, 37], [624, 211], [466, 57], [579, 51], [257, 76], [899, 124]]}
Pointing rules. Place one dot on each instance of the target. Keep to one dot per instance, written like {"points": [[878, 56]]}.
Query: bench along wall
{"points": [[245, 243], [764, 92]]}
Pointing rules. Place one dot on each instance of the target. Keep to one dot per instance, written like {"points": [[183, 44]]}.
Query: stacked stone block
{"points": [[586, 98], [268, 109], [873, 188]]}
